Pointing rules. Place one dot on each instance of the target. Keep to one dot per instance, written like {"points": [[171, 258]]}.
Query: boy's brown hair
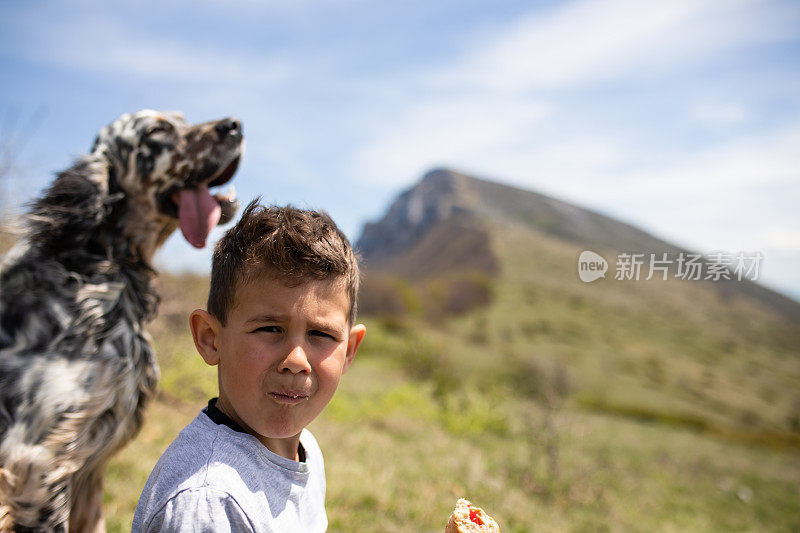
{"points": [[293, 244]]}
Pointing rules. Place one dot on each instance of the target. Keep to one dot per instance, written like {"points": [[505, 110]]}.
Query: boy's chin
{"points": [[289, 431]]}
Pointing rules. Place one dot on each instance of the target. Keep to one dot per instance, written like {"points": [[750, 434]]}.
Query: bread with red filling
{"points": [[467, 518]]}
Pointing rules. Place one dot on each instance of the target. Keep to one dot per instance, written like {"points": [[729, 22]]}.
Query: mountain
{"points": [[442, 224], [491, 274], [443, 194]]}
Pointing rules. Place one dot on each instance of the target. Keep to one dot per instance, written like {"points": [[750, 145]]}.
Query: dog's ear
{"points": [[116, 152], [78, 201]]}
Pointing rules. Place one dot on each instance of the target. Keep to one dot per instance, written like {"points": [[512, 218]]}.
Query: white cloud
{"points": [[783, 238], [721, 196], [446, 130], [718, 113], [595, 40], [754, 160], [101, 44], [177, 62]]}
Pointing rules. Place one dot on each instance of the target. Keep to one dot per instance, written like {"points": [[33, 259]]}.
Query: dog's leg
{"points": [[37, 486], [87, 502], [32, 498]]}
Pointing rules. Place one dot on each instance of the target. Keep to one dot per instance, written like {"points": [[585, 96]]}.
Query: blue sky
{"points": [[681, 117]]}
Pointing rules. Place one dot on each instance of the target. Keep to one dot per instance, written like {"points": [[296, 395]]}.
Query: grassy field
{"points": [[396, 461], [559, 407]]}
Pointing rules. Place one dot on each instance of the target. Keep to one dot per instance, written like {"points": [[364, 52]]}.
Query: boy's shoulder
{"points": [[200, 448], [205, 451], [228, 472], [192, 465]]}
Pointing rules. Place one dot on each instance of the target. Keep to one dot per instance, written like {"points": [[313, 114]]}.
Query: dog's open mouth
{"points": [[197, 210]]}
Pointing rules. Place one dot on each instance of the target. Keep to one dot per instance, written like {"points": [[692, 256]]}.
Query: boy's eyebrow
{"points": [[325, 326], [314, 324], [265, 318]]}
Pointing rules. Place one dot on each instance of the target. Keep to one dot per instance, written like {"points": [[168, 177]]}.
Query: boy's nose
{"points": [[296, 362]]}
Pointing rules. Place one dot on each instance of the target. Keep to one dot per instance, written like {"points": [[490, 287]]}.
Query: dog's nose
{"points": [[227, 126]]}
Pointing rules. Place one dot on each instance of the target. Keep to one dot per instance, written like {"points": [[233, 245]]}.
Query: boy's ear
{"points": [[357, 333], [205, 330]]}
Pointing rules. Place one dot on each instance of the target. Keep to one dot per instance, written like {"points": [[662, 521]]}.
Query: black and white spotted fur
{"points": [[76, 367]]}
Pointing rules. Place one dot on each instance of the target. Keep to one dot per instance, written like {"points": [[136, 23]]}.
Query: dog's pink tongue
{"points": [[198, 213]]}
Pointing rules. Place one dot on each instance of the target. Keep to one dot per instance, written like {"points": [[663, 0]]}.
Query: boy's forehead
{"points": [[333, 287], [254, 276]]}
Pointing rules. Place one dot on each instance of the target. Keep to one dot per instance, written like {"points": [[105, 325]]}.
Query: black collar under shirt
{"points": [[220, 418]]}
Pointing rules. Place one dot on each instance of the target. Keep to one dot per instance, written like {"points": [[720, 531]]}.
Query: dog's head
{"points": [[165, 166]]}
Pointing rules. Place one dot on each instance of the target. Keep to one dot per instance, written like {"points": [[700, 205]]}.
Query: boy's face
{"points": [[280, 354]]}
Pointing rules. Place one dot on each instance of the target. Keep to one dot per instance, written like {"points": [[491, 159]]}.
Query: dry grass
{"points": [[393, 464]]}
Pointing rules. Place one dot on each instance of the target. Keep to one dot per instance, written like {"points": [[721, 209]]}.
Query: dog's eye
{"points": [[155, 129]]}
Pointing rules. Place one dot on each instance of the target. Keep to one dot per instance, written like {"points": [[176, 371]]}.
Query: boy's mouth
{"points": [[289, 397]]}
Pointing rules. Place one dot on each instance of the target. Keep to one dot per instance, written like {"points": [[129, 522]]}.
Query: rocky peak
{"points": [[440, 195]]}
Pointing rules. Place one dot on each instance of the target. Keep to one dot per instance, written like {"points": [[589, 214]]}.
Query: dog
{"points": [[76, 366]]}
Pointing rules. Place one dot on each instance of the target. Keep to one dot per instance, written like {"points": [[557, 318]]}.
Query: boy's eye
{"points": [[269, 329], [318, 333]]}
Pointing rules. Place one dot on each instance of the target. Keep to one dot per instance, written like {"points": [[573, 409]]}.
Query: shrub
{"points": [[387, 296], [463, 294], [456, 295]]}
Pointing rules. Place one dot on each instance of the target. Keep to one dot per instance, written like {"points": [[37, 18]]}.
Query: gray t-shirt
{"points": [[215, 479]]}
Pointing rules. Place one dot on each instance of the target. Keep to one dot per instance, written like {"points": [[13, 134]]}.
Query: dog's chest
{"points": [[120, 339], [79, 353]]}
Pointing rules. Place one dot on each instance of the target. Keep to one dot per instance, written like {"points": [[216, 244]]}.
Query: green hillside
{"points": [[722, 357]]}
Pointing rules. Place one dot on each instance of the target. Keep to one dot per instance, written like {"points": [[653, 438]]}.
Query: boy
{"points": [[280, 329]]}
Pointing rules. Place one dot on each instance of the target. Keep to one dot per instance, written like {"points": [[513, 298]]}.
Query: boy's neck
{"points": [[288, 447]]}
